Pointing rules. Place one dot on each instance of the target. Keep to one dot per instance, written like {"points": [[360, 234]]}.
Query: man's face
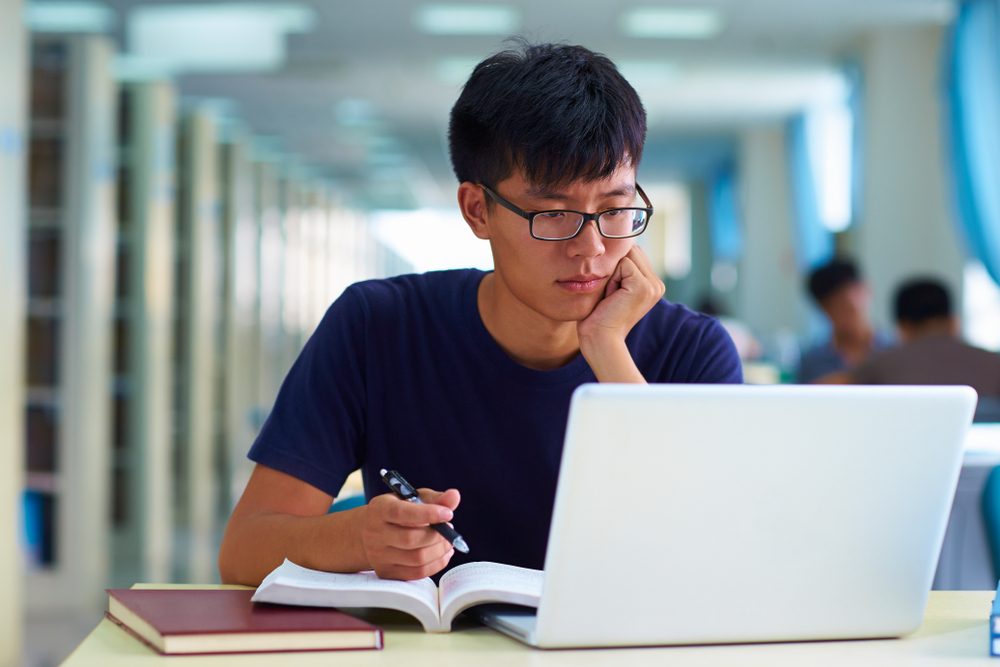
{"points": [[561, 280], [847, 308]]}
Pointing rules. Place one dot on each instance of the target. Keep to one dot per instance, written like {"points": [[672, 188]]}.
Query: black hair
{"points": [[830, 277], [921, 299], [560, 113]]}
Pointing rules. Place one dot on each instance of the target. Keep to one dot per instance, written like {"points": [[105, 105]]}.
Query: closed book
{"points": [[199, 621]]}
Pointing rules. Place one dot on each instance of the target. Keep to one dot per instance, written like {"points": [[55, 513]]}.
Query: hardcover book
{"points": [[198, 621]]}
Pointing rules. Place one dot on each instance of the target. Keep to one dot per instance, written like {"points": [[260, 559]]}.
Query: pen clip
{"points": [[399, 485]]}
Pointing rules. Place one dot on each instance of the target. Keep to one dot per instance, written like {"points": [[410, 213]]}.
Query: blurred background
{"points": [[186, 186]]}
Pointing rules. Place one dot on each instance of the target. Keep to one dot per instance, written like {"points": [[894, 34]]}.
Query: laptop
{"points": [[697, 514]]}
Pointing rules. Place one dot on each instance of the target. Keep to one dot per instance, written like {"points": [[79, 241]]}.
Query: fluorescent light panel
{"points": [[672, 22], [467, 19], [216, 37], [63, 17]]}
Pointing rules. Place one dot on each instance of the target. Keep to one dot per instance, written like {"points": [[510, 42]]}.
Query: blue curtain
{"points": [[855, 101], [972, 112], [725, 222], [814, 241]]}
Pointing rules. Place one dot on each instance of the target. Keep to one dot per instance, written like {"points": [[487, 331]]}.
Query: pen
{"points": [[405, 491]]}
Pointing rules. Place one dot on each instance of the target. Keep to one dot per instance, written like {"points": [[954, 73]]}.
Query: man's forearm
{"points": [[257, 543], [611, 361]]}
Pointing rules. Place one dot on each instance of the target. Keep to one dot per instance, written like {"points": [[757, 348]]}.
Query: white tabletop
{"points": [[955, 632]]}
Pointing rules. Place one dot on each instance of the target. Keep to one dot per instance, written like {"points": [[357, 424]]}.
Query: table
{"points": [[954, 633]]}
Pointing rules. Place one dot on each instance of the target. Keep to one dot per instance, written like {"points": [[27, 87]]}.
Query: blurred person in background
{"points": [[930, 349], [840, 292]]}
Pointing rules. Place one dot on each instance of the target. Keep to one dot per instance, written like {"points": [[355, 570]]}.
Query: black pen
{"points": [[405, 491]]}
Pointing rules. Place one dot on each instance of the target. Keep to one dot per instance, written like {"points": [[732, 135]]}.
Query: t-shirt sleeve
{"points": [[716, 359], [315, 430]]}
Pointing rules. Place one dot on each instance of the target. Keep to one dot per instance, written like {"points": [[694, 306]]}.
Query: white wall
{"points": [[906, 217], [770, 293], [13, 112]]}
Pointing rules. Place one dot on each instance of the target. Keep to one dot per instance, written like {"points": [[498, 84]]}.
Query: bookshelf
{"points": [[240, 326], [141, 502], [198, 285], [268, 214], [294, 274], [13, 119], [318, 234], [71, 266]]}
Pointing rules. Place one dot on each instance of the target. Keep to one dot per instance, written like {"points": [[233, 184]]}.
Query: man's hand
{"points": [[634, 288], [397, 539]]}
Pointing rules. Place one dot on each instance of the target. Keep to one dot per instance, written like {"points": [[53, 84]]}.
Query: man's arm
{"points": [[280, 516], [633, 290]]}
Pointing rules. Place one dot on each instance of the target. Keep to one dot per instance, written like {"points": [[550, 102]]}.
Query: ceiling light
{"points": [[216, 37], [672, 22], [467, 19], [63, 17]]}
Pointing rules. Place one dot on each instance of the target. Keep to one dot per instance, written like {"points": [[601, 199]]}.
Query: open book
{"points": [[434, 606]]}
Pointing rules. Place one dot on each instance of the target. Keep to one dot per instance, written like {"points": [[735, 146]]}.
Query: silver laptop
{"points": [[697, 514]]}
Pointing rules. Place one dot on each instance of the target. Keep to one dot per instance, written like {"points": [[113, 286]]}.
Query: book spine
{"points": [[995, 635]]}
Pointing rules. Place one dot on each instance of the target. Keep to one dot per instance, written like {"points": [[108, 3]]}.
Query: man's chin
{"points": [[577, 312]]}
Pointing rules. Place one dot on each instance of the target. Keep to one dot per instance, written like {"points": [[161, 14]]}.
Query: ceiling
{"points": [[364, 95]]}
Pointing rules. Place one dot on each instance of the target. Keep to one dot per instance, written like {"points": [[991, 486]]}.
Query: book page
{"points": [[476, 583], [293, 584]]}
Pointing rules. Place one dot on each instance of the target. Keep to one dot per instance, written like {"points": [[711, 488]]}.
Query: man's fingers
{"points": [[639, 258], [419, 557], [403, 513], [450, 498], [642, 264], [411, 538], [409, 573]]}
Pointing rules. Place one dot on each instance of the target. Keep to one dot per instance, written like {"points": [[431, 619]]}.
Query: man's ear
{"points": [[472, 202]]}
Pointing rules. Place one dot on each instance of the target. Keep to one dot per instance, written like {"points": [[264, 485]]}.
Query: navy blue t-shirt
{"points": [[402, 373]]}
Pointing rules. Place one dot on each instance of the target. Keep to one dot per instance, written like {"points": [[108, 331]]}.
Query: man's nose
{"points": [[588, 242]]}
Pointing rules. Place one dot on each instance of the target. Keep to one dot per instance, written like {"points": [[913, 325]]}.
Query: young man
{"points": [[839, 291], [461, 380]]}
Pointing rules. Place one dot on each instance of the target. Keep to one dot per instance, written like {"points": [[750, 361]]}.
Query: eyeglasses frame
{"points": [[587, 217]]}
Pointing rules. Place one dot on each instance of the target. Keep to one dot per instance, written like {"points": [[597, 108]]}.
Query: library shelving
{"points": [[271, 244], [292, 193], [241, 325], [141, 463], [13, 120], [197, 325], [71, 279]]}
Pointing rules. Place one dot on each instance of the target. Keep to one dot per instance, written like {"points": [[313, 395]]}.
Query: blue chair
{"points": [[991, 517], [347, 503]]}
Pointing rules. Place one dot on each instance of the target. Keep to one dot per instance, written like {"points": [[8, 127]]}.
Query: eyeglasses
{"points": [[561, 225]]}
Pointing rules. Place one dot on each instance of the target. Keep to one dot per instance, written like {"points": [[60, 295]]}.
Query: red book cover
{"points": [[192, 621]]}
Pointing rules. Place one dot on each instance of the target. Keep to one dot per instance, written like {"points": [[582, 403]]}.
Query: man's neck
{"points": [[526, 336]]}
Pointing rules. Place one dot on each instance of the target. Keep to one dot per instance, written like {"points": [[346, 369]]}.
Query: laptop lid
{"points": [[690, 514]]}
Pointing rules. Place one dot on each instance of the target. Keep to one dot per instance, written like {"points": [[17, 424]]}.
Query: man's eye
{"points": [[553, 215]]}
